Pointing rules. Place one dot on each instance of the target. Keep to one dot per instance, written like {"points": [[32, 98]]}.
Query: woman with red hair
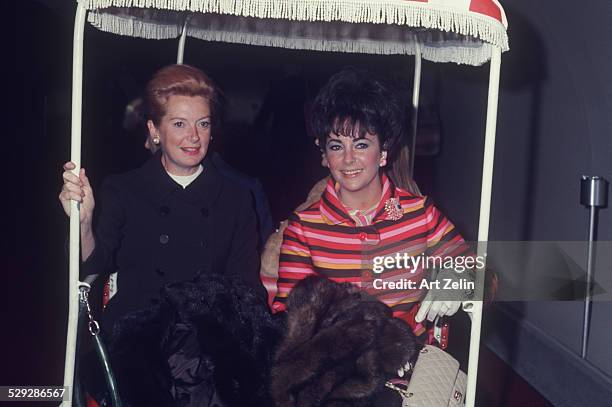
{"points": [[173, 219]]}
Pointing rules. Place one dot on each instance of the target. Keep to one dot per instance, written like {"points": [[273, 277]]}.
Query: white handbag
{"points": [[436, 381]]}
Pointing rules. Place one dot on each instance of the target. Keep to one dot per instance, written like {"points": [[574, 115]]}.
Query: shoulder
{"points": [[312, 213], [413, 202], [226, 196], [133, 183], [117, 183], [418, 208], [231, 188], [147, 171], [125, 178], [232, 174]]}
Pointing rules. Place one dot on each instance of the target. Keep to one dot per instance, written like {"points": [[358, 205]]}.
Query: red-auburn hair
{"points": [[182, 80]]}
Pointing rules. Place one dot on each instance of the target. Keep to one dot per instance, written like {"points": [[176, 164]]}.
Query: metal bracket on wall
{"points": [[593, 195]]}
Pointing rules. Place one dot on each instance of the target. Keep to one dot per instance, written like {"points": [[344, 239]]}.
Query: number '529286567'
{"points": [[9, 393]]}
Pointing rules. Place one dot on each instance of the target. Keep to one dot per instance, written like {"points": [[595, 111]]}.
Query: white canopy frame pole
{"points": [[475, 307], [180, 54], [75, 157], [416, 90]]}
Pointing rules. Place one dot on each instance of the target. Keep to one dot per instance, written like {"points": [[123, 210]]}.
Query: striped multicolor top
{"points": [[324, 239]]}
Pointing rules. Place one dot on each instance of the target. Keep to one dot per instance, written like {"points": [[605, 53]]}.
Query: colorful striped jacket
{"points": [[323, 239]]}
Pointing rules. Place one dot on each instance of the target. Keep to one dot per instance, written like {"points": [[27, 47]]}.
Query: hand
{"points": [[77, 189], [436, 308], [443, 301]]}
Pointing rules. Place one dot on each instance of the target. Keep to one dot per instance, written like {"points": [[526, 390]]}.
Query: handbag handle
{"points": [[101, 351]]}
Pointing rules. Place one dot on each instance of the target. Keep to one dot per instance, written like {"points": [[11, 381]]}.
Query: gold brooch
{"points": [[393, 209]]}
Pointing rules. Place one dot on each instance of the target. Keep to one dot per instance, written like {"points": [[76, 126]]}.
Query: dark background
{"points": [[554, 125]]}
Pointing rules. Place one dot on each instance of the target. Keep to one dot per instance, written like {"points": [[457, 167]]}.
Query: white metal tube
{"points": [[75, 157], [483, 223], [416, 90], [180, 54]]}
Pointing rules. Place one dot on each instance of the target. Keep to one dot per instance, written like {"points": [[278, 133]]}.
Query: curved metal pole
{"points": [[181, 47], [475, 307], [75, 157], [415, 103]]}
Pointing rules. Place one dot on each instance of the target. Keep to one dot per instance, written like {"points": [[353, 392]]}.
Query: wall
{"points": [[554, 125]]}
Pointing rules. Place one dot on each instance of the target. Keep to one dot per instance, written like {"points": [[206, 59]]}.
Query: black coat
{"points": [[152, 231]]}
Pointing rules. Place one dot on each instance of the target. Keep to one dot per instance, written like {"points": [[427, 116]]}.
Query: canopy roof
{"points": [[460, 31]]}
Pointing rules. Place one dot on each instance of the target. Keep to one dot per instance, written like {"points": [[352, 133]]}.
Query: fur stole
{"points": [[207, 344], [339, 348]]}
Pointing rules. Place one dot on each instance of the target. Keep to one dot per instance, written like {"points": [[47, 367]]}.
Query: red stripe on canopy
{"points": [[488, 8]]}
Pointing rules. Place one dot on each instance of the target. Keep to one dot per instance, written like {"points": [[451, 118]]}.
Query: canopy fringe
{"points": [[458, 54], [133, 27], [400, 12], [456, 51]]}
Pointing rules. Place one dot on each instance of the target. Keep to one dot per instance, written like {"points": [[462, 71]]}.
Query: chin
{"points": [[193, 161], [356, 185], [352, 188]]}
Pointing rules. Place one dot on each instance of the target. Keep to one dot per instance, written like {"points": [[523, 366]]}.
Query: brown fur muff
{"points": [[339, 348]]}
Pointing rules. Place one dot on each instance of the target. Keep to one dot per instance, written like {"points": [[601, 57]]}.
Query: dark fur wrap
{"points": [[339, 348], [207, 344]]}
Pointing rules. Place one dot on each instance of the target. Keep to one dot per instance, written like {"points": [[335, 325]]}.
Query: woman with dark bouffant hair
{"points": [[173, 219], [362, 219]]}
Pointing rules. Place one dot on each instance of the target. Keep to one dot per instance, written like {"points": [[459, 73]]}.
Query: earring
{"points": [[155, 140], [383, 159]]}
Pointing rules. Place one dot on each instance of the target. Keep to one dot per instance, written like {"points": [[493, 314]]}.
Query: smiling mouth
{"points": [[351, 173], [191, 150]]}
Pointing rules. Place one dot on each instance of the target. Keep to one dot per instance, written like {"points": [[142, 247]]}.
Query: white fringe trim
{"points": [[470, 55], [395, 12], [134, 27]]}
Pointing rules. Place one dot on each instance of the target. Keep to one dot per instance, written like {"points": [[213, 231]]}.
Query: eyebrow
{"points": [[182, 118], [355, 139]]}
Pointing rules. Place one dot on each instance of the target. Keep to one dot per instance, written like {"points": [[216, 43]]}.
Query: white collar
{"points": [[185, 180]]}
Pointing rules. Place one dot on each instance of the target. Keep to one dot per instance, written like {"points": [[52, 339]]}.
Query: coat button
{"points": [[160, 272], [202, 243], [363, 236], [163, 239], [164, 211], [204, 212]]}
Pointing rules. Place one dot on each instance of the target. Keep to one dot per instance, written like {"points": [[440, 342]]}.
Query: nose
{"points": [[194, 136], [349, 157]]}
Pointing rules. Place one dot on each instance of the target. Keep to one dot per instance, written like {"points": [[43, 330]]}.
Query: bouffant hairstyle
{"points": [[183, 80], [354, 102]]}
